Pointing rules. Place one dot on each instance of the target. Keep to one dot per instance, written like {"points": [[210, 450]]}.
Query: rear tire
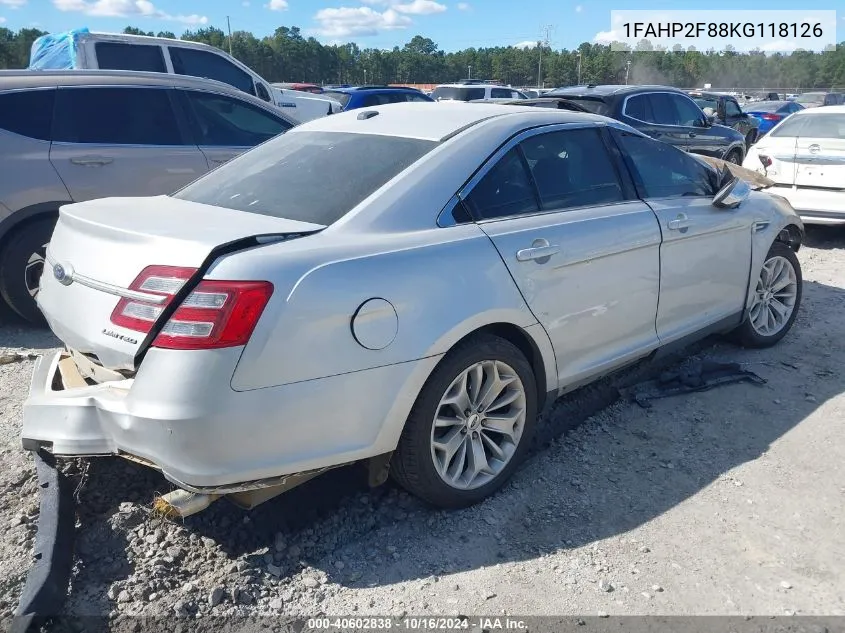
{"points": [[750, 139], [21, 265], [776, 302], [459, 447]]}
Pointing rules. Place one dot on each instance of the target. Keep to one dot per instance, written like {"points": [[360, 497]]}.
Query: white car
{"points": [[81, 49], [472, 91], [805, 156]]}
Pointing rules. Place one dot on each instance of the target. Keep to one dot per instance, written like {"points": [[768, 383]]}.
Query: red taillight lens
{"points": [[771, 117], [216, 314], [163, 281], [765, 160]]}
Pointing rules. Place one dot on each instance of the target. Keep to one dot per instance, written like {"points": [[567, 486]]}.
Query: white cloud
{"points": [[2, 19], [277, 5], [420, 7], [780, 46], [526, 44], [464, 6], [245, 3], [125, 8], [579, 8], [414, 7], [13, 4], [607, 37], [358, 21]]}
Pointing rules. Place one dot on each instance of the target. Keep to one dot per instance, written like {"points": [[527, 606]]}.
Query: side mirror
{"points": [[732, 194]]}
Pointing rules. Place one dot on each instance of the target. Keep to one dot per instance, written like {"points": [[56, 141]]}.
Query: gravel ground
{"points": [[724, 502]]}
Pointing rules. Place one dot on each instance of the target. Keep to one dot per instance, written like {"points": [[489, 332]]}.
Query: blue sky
{"points": [[370, 23]]}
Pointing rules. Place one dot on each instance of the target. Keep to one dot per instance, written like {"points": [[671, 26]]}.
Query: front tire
{"points": [[734, 156], [470, 425], [777, 297], [21, 265]]}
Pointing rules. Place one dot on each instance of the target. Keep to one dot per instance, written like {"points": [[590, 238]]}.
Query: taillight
{"points": [[765, 160], [215, 314], [772, 117], [163, 281]]}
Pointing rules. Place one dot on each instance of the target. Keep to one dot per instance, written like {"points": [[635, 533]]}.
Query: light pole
{"points": [[365, 77], [627, 70], [579, 67], [469, 72]]}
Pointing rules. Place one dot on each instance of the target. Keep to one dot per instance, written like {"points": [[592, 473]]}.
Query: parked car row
{"points": [[427, 287], [70, 136]]}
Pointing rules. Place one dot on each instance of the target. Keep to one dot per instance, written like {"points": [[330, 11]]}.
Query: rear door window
{"points": [[116, 116], [505, 191], [196, 63], [219, 120], [501, 93], [308, 176], [28, 112], [572, 168], [120, 56]]}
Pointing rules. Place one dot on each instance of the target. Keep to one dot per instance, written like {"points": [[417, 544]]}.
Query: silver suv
{"points": [[70, 136]]}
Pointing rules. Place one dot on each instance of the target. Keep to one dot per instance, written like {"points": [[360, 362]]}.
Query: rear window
{"points": [[341, 97], [307, 176], [118, 56], [457, 94], [596, 105], [704, 102], [28, 112], [813, 126], [765, 106]]}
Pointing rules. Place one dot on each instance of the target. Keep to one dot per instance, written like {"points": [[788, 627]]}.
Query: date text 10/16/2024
{"points": [[415, 624]]}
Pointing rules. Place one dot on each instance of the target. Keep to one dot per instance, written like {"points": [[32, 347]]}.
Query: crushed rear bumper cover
{"points": [[48, 579]]}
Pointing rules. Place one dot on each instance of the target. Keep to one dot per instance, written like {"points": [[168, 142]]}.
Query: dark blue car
{"points": [[369, 96]]}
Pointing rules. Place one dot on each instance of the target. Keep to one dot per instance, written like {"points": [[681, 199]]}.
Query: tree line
{"points": [[287, 55]]}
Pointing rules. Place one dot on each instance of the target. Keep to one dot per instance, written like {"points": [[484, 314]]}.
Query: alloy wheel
{"points": [[775, 296], [33, 270], [478, 425]]}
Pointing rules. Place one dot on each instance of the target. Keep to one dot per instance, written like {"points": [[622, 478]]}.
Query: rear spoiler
{"points": [[756, 180]]}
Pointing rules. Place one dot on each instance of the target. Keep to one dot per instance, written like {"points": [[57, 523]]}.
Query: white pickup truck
{"points": [[117, 51]]}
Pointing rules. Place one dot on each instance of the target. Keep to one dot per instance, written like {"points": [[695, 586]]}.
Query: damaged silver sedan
{"points": [[362, 289]]}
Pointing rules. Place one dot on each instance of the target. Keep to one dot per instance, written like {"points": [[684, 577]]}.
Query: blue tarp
{"points": [[56, 51]]}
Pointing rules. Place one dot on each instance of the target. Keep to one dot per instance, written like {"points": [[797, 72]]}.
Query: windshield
{"points": [[765, 106], [457, 94], [596, 105], [811, 97], [342, 97], [312, 177], [813, 126]]}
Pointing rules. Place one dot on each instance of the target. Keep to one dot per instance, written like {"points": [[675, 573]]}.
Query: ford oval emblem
{"points": [[63, 274], [814, 148]]}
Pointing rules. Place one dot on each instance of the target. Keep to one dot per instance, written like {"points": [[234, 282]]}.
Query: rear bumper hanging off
{"points": [[47, 580]]}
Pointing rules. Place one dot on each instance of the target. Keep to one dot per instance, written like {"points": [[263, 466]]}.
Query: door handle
{"points": [[692, 134], [681, 221], [91, 161], [540, 249], [220, 161]]}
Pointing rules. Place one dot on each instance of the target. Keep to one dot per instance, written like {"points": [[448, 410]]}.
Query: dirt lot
{"points": [[725, 502]]}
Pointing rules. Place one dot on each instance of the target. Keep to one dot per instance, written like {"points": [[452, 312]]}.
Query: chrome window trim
{"points": [[443, 219], [655, 92]]}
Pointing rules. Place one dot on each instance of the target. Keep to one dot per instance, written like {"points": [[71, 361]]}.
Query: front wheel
{"points": [[777, 296], [470, 426], [734, 156]]}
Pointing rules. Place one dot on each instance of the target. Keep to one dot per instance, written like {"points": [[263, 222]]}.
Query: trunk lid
{"points": [[99, 248], [820, 163]]}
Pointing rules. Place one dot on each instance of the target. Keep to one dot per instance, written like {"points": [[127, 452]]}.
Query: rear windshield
{"points": [[457, 94], [813, 126], [704, 102], [342, 97], [765, 106], [596, 105], [810, 97], [307, 176]]}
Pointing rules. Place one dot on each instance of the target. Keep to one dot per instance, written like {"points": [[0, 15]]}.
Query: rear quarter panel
{"points": [[443, 284]]}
